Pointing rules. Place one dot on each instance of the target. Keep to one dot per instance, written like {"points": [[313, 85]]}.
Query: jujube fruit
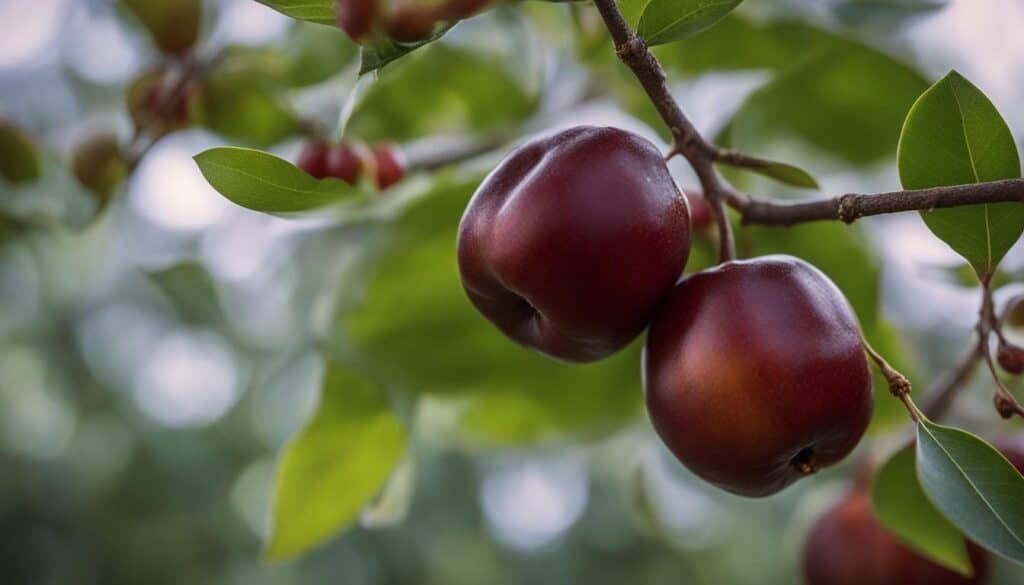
{"points": [[391, 164], [755, 374], [313, 159], [700, 211], [99, 164], [344, 161], [1010, 357], [357, 18], [848, 546], [410, 23], [571, 242], [173, 24]]}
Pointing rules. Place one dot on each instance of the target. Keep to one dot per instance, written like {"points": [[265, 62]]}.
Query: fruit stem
{"points": [[1006, 404], [899, 385]]}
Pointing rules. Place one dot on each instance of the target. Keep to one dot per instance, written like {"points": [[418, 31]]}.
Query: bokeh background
{"points": [[154, 359]]}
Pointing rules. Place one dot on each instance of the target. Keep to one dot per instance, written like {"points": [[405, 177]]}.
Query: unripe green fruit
{"points": [[173, 24], [19, 155], [99, 165], [755, 374]]}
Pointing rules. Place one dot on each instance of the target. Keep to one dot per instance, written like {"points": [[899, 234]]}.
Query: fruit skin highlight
{"points": [[848, 546], [755, 374], [571, 243]]}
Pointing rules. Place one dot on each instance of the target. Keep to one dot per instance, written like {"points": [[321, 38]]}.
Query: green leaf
{"points": [[457, 90], [665, 21], [974, 486], [319, 11], [954, 136], [887, 13], [902, 508], [263, 182], [19, 156], [238, 100], [785, 173], [738, 43], [313, 54], [383, 50], [192, 291], [848, 100], [336, 464], [411, 324]]}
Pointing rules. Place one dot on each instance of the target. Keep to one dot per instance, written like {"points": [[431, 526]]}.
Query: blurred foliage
{"points": [[152, 371]]}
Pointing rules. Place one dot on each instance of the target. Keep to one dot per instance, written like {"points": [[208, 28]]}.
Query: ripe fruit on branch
{"points": [[570, 244], [313, 159], [847, 546], [755, 374], [700, 211], [357, 18], [153, 105], [345, 161], [391, 165], [1010, 357]]}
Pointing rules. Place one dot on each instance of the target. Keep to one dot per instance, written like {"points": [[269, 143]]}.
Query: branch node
{"points": [[846, 208]]}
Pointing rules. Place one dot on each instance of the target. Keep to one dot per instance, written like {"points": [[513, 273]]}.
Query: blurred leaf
{"points": [[192, 291], [974, 486], [886, 13], [413, 326], [392, 505], [902, 508], [173, 24], [665, 21], [313, 54], [740, 43], [955, 136], [238, 100], [19, 155], [263, 182], [456, 89], [336, 464], [383, 50], [849, 100], [785, 173], [318, 11]]}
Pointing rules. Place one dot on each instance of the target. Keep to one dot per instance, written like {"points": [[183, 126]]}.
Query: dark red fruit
{"points": [[411, 23], [345, 161], [391, 164], [460, 9], [357, 18], [755, 374], [700, 211], [571, 243], [156, 105], [1013, 449], [1011, 358], [847, 546], [313, 159]]}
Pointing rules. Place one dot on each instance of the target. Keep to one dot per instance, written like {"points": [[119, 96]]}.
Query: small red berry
{"points": [[391, 164], [344, 161], [313, 159]]}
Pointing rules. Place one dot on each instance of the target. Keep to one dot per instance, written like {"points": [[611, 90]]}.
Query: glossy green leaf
{"points": [[457, 90], [413, 326], [955, 136], [665, 21], [319, 11], [974, 486], [263, 182], [383, 50], [901, 506], [848, 101], [19, 156], [338, 462]]}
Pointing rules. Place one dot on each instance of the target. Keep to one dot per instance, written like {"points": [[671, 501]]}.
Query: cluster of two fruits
{"points": [[405, 21], [754, 371], [350, 161]]}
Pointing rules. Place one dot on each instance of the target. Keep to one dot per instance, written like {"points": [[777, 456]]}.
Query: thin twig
{"points": [[899, 385], [939, 397]]}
